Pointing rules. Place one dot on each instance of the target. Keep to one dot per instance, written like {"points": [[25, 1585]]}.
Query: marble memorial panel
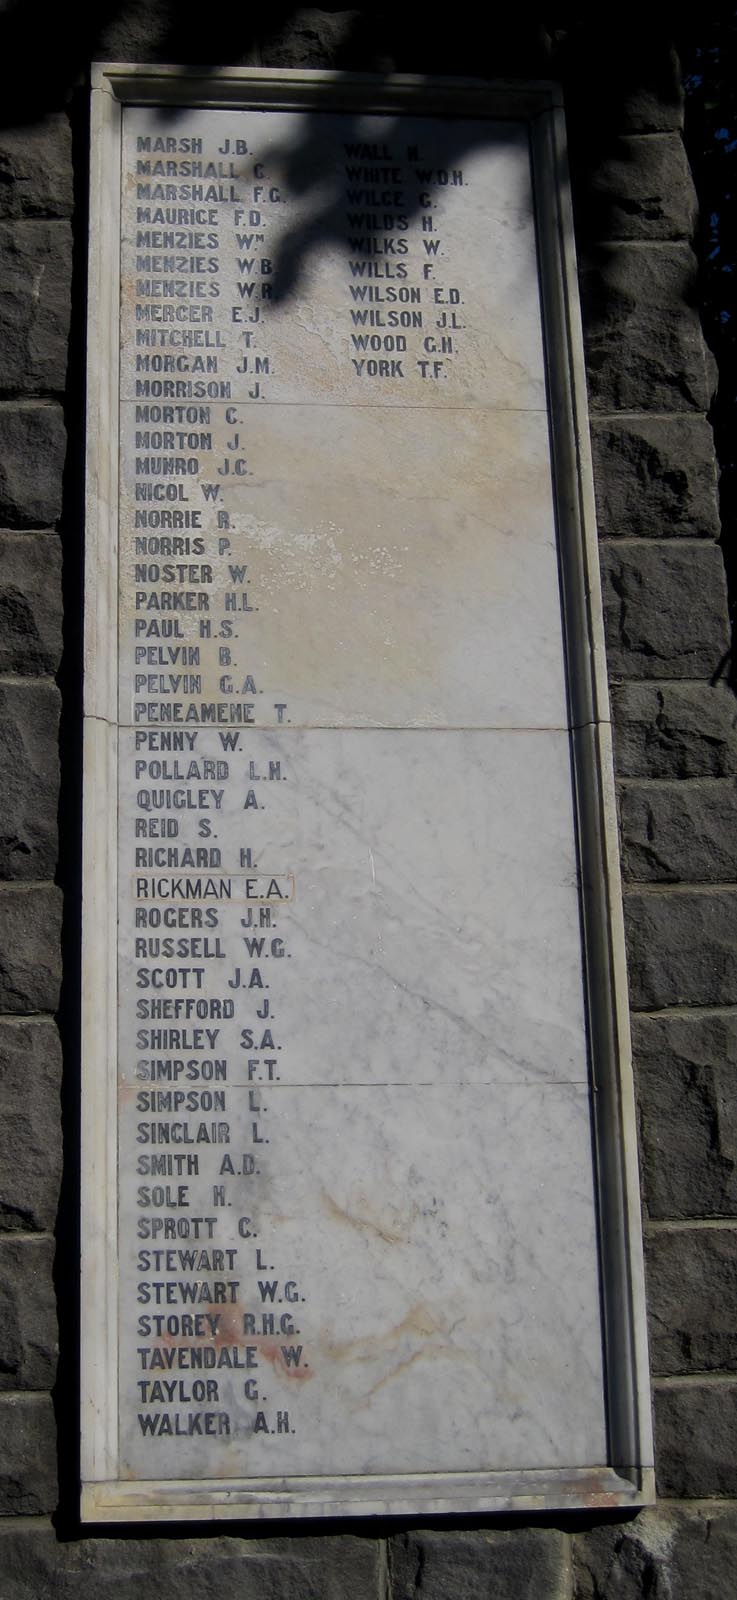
{"points": [[339, 1050]]}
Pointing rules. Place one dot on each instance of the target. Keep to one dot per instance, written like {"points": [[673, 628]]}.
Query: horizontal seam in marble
{"points": [[535, 1084], [366, 405], [377, 727]]}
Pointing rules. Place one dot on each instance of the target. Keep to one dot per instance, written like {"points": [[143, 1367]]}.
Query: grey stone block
{"points": [[29, 779], [313, 38], [703, 1553], [640, 189], [524, 1563], [35, 305], [36, 177], [679, 832], [34, 1564], [686, 1070], [653, 100], [644, 347], [665, 609], [30, 955], [28, 1334], [695, 1430], [692, 1299], [670, 1553], [682, 947], [169, 31], [613, 87], [655, 476], [30, 1126], [28, 1455], [32, 450], [30, 603], [674, 730]]}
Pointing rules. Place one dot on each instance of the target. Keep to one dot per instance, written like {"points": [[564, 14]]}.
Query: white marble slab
{"points": [[432, 925], [288, 200], [347, 530], [434, 1251], [356, 1213]]}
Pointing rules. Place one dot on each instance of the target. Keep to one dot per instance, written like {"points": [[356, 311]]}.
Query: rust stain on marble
{"points": [[419, 1322], [363, 1224]]}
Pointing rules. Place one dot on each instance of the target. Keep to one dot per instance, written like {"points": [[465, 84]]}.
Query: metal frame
{"points": [[626, 1480]]}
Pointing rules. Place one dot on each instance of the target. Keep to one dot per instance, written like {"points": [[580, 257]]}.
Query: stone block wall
{"points": [[650, 382], [35, 308]]}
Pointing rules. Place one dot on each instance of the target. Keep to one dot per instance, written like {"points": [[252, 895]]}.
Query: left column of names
{"points": [[192, 1111]]}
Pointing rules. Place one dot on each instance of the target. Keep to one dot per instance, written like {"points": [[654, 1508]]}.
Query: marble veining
{"points": [[356, 1209]]}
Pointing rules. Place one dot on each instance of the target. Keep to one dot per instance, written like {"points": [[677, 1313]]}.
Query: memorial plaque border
{"points": [[626, 1479]]}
